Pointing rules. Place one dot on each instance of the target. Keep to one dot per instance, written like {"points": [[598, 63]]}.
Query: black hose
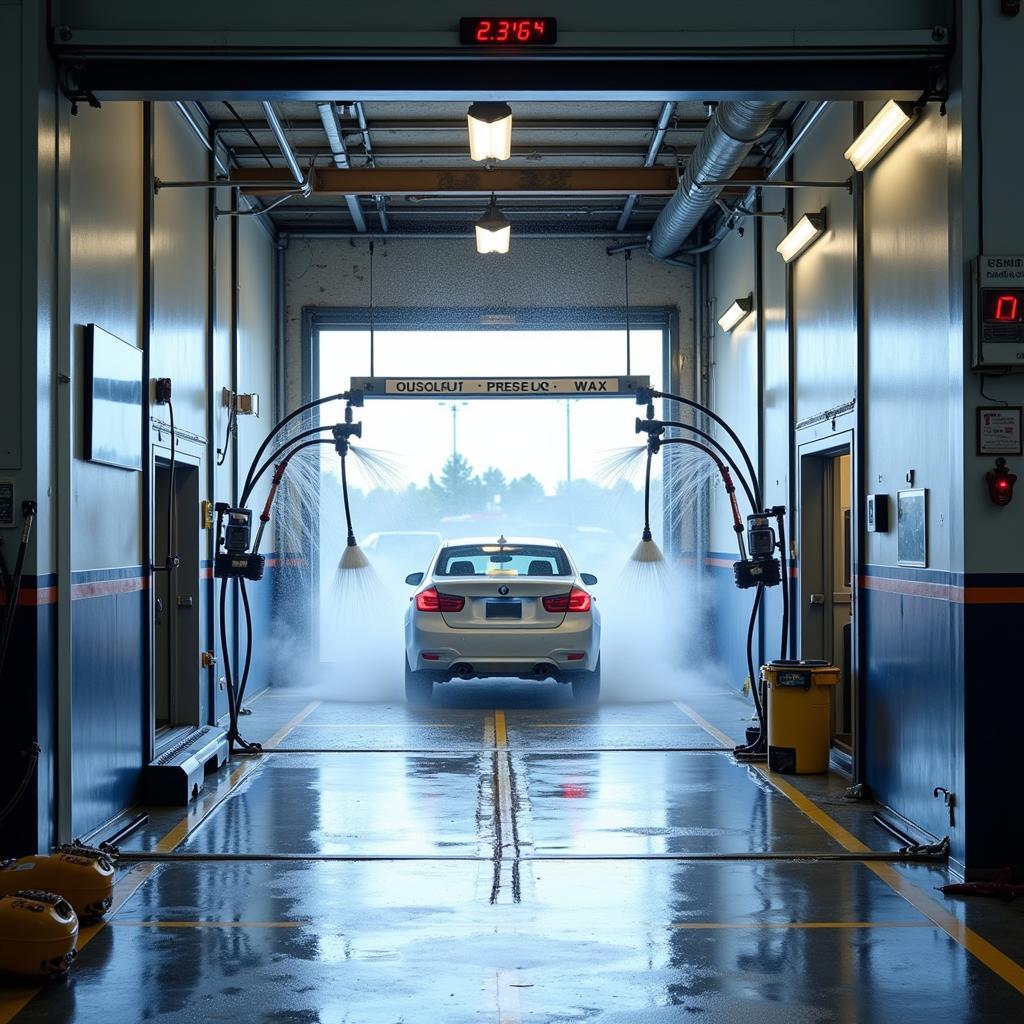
{"points": [[762, 738], [784, 563], [280, 426], [752, 475], [28, 511], [647, 497], [33, 758], [248, 662], [232, 419], [348, 511], [722, 450], [235, 694], [278, 452]]}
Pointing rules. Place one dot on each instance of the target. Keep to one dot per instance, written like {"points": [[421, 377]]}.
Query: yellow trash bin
{"points": [[799, 715]]}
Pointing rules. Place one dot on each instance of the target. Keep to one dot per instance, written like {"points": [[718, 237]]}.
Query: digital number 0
{"points": [[1007, 308]]}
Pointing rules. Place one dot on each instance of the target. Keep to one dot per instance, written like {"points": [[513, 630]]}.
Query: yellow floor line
{"points": [[500, 730], [1009, 970], [797, 925], [13, 1001], [288, 726]]}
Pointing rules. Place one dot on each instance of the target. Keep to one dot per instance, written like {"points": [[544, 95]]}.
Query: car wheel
{"points": [[418, 688], [587, 689]]}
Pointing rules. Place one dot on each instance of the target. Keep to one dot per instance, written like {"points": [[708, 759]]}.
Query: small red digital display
{"points": [[1003, 305], [510, 32]]}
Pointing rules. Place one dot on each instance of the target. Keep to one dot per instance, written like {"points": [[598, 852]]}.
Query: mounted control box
{"points": [[998, 313]]}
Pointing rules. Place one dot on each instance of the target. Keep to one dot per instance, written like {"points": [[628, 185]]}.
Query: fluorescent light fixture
{"points": [[885, 128], [490, 131], [493, 230], [735, 313], [805, 231]]}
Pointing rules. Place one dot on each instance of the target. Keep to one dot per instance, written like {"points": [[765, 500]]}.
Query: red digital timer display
{"points": [[510, 32], [1002, 305]]}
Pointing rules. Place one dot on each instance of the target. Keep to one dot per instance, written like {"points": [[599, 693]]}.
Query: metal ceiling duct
{"points": [[336, 140], [731, 133]]}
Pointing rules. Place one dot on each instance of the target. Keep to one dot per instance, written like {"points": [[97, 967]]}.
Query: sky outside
{"points": [[518, 436]]}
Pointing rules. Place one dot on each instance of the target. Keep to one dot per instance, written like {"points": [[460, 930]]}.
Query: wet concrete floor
{"points": [[505, 856]]}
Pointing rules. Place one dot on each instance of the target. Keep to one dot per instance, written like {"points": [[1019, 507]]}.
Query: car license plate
{"points": [[504, 610]]}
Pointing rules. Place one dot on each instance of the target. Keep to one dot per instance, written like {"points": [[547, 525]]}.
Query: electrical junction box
{"points": [[878, 513], [998, 313], [7, 503]]}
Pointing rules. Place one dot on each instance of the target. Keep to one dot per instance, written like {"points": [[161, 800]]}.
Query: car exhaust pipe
{"points": [[464, 671], [542, 670]]}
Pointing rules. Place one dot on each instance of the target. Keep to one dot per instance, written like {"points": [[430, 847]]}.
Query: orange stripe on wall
{"points": [[945, 591]]}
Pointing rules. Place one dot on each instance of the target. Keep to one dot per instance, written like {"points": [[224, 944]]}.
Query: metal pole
{"points": [[568, 445], [285, 146], [455, 447]]}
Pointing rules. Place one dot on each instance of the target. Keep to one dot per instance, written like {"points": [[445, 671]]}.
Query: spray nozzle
{"points": [[344, 432], [649, 426]]}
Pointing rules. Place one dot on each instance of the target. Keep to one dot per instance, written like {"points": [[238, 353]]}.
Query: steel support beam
{"points": [[596, 181]]}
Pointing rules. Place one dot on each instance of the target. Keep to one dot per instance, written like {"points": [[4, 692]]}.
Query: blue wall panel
{"points": [[909, 699], [108, 705]]}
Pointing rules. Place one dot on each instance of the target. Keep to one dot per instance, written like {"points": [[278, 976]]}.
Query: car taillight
{"points": [[576, 600], [430, 600]]}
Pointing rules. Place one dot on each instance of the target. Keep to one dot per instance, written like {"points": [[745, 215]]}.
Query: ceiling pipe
{"points": [[667, 110], [332, 127], [778, 165], [380, 201], [285, 146], [731, 133]]}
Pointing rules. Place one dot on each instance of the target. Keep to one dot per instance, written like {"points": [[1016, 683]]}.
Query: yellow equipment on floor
{"points": [[83, 875], [38, 933], [799, 715]]}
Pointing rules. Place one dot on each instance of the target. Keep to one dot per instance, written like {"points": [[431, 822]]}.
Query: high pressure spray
{"points": [[757, 566]]}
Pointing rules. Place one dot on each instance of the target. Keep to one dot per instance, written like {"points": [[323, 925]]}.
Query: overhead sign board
{"points": [[499, 387]]}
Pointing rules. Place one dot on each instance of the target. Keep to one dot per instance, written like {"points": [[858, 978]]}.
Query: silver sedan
{"points": [[497, 608]]}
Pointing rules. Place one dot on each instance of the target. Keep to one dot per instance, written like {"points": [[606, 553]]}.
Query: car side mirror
{"points": [[589, 578], [414, 579]]}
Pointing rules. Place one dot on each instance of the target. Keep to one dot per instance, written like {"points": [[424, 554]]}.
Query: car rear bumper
{"points": [[502, 652]]}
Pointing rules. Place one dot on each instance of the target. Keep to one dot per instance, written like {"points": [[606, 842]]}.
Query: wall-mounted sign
{"points": [[499, 387], [912, 527], [999, 430]]}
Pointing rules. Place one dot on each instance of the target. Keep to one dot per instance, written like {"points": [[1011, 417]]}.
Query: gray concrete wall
{"points": [[435, 274]]}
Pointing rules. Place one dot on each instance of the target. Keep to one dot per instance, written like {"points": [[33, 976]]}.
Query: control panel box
{"points": [[998, 313]]}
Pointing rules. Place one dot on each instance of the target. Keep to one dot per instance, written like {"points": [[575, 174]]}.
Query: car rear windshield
{"points": [[506, 560]]}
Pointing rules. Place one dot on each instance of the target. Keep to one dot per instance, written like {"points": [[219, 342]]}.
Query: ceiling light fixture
{"points": [[493, 230], [805, 231], [490, 131], [885, 128], [735, 313]]}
